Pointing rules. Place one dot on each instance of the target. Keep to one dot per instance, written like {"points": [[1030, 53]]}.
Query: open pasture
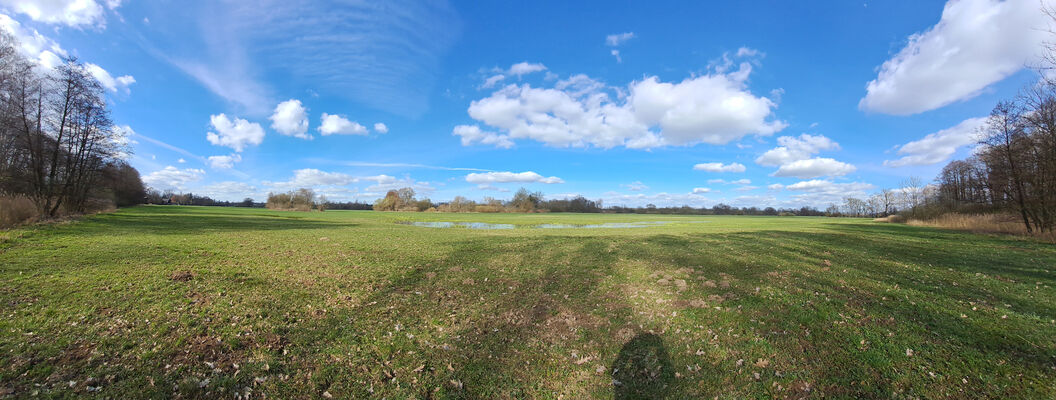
{"points": [[193, 302]]}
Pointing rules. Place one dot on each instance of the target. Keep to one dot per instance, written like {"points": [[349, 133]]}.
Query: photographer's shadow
{"points": [[643, 369]]}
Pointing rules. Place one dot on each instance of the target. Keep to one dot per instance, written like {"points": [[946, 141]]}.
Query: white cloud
{"points": [[636, 186], [381, 128], [311, 177], [290, 118], [472, 134], [939, 146], [510, 177], [235, 134], [109, 82], [820, 192], [719, 167], [524, 68], [181, 161], [383, 59], [616, 53], [494, 188], [493, 80], [794, 149], [120, 141], [335, 184], [662, 199], [231, 191], [715, 108], [384, 183], [741, 182], [74, 13], [224, 162], [618, 38], [331, 124], [749, 52], [776, 186], [814, 167], [701, 190], [172, 178], [38, 48], [976, 43]]}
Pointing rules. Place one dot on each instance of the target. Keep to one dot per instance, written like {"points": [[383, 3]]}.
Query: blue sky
{"points": [[749, 103]]}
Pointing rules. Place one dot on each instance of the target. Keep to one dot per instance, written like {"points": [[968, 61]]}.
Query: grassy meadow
{"points": [[195, 302]]}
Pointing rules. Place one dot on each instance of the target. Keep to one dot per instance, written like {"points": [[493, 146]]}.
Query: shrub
{"points": [[299, 200], [16, 210]]}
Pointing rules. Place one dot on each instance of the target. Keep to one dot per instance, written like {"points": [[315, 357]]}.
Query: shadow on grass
{"points": [[176, 224], [642, 370]]}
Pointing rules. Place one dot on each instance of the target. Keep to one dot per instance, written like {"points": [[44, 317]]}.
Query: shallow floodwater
{"points": [[485, 225], [470, 225]]}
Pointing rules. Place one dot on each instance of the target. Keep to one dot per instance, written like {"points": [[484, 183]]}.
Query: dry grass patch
{"points": [[982, 223]]}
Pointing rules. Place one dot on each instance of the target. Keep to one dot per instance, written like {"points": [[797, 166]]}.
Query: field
{"points": [[191, 302]]}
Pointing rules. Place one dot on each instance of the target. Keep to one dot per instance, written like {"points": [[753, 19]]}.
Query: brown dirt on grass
{"points": [[181, 276]]}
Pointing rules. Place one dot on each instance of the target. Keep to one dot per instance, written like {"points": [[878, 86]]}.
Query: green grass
{"points": [[353, 304]]}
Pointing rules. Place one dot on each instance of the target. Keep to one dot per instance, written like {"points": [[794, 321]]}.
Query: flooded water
{"points": [[485, 225], [470, 225]]}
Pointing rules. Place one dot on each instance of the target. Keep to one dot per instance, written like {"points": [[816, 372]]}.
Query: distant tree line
{"points": [[525, 201], [59, 149], [154, 196]]}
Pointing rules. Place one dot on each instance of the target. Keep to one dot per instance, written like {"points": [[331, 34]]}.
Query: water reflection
{"points": [[470, 225]]}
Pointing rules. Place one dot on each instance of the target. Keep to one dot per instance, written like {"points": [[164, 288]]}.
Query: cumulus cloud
{"points": [[701, 190], [719, 167], [976, 43], [236, 134], [795, 148], [172, 178], [518, 70], [715, 108], [108, 81], [472, 134], [290, 118], [39, 48], [813, 168], [74, 13], [181, 161], [939, 146], [617, 39], [776, 186], [510, 177], [381, 128], [818, 192], [224, 162], [524, 68], [331, 124]]}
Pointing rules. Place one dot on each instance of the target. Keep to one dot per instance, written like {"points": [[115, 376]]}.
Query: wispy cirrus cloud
{"points": [[382, 55]]}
